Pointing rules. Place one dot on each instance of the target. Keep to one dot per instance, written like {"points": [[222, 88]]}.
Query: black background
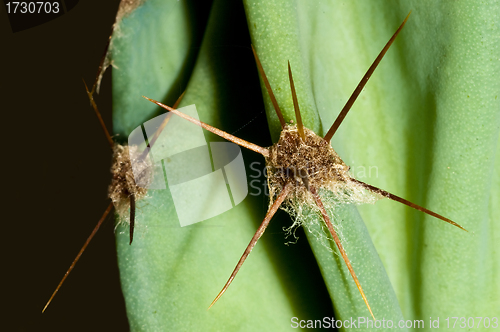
{"points": [[55, 173]]}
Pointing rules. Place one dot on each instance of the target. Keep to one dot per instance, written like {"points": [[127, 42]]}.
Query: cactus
{"points": [[426, 126]]}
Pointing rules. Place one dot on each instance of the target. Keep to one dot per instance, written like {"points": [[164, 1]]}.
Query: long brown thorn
{"points": [[300, 126], [361, 84], [340, 247], [405, 202], [89, 94], [269, 90], [223, 134], [96, 228], [270, 213]]}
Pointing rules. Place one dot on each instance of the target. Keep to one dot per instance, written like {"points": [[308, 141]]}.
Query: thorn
{"points": [[300, 126], [223, 134], [269, 90], [340, 247], [132, 217], [96, 228], [160, 128], [103, 65], [405, 202], [361, 84], [94, 106], [270, 213]]}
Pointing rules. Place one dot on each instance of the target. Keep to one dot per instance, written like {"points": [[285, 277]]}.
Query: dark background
{"points": [[55, 166]]}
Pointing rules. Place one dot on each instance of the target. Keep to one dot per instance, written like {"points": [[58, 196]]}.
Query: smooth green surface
{"points": [[163, 63], [426, 128]]}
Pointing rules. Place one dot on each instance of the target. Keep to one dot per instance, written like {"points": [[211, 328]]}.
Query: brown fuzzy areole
{"points": [[123, 183], [309, 163]]}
